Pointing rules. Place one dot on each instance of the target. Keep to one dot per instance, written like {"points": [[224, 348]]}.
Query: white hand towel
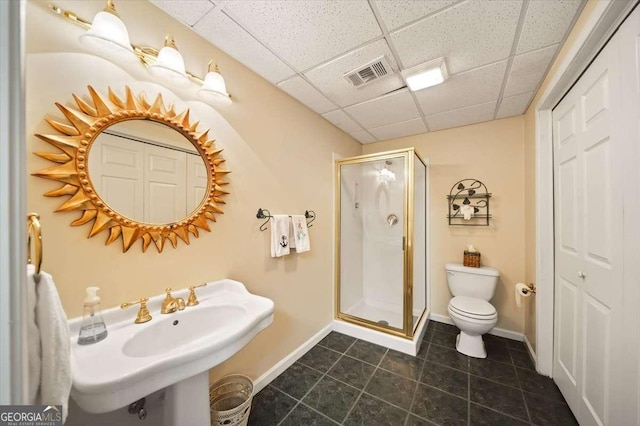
{"points": [[34, 352], [279, 235], [55, 378], [300, 234], [467, 211]]}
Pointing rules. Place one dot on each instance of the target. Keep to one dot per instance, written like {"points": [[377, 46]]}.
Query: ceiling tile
{"points": [[469, 88], [400, 12], [305, 32], [228, 36], [363, 137], [328, 78], [468, 35], [342, 121], [546, 23], [528, 69], [391, 108], [462, 117], [305, 93], [187, 11], [399, 130], [514, 105]]}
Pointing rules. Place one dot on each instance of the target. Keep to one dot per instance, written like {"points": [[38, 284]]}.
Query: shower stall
{"points": [[381, 243]]}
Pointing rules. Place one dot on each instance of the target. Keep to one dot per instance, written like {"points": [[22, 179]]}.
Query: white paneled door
{"points": [[118, 176], [591, 141], [165, 195]]}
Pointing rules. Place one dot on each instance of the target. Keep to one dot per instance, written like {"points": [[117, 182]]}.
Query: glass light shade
{"points": [[169, 67], [214, 88], [108, 37]]}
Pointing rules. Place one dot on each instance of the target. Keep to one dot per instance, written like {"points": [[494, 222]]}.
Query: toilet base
{"points": [[471, 345]]}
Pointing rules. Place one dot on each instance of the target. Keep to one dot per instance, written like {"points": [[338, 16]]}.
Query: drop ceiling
{"points": [[497, 53]]}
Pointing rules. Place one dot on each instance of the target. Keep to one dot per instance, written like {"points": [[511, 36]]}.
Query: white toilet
{"points": [[469, 309]]}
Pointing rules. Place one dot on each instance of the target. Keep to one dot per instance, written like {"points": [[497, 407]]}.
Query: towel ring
{"points": [[34, 231]]}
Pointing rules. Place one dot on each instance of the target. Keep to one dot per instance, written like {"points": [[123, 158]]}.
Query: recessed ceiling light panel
{"points": [[425, 75]]}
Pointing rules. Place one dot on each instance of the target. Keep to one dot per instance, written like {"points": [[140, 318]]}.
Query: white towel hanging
{"points": [[280, 235], [300, 234], [34, 351], [51, 345]]}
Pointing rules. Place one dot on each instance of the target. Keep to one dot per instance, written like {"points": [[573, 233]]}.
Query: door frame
{"points": [[599, 27], [13, 220]]}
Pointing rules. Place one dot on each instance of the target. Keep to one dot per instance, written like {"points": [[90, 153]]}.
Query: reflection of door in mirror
{"points": [[147, 171]]}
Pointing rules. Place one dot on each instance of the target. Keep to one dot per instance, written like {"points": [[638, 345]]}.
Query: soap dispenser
{"points": [[93, 328]]}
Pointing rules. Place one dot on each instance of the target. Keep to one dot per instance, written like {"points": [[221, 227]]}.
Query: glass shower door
{"points": [[419, 240], [372, 229]]}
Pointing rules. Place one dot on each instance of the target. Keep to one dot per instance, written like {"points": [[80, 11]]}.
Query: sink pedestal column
{"points": [[187, 402]]}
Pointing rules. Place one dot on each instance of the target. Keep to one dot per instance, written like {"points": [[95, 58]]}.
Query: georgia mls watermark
{"points": [[30, 415]]}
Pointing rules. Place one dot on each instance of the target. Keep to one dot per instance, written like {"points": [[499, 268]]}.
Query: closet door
{"points": [[196, 188], [590, 146], [116, 168], [165, 196]]}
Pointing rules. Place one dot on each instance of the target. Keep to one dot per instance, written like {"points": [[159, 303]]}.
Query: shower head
{"points": [[388, 162]]}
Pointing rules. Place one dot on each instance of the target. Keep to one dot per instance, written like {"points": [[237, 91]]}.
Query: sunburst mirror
{"points": [[107, 201]]}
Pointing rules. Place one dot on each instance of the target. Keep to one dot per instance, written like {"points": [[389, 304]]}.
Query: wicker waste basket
{"points": [[230, 400]]}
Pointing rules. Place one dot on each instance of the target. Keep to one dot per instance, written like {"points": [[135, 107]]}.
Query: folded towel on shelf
{"points": [[300, 234], [34, 352], [280, 235], [55, 346], [467, 211]]}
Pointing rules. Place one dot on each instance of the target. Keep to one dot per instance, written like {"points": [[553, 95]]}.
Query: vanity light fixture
{"points": [[169, 65], [107, 36], [214, 87], [425, 75]]}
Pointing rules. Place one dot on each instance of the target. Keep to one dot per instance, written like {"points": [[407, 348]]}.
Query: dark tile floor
{"points": [[346, 381]]}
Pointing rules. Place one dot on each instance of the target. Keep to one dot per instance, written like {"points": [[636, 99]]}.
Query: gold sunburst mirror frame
{"points": [[74, 141]]}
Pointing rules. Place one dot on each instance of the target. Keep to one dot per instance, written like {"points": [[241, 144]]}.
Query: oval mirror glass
{"points": [[147, 171]]}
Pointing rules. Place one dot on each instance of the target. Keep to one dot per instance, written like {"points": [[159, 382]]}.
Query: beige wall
{"points": [[492, 152], [280, 154], [530, 169]]}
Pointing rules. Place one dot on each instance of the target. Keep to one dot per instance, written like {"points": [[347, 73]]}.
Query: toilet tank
{"points": [[472, 282]]}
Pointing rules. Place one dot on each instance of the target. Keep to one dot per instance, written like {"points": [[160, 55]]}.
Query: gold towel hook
{"points": [[34, 231]]}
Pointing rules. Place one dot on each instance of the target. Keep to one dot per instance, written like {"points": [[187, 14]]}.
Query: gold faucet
{"points": [[193, 299], [143, 313], [171, 304]]}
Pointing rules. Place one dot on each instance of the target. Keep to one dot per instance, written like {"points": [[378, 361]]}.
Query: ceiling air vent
{"points": [[368, 73]]}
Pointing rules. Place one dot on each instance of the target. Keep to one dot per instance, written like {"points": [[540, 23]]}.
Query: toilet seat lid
{"points": [[473, 307]]}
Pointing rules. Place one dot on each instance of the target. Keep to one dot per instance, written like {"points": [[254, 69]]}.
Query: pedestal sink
{"points": [[172, 351]]}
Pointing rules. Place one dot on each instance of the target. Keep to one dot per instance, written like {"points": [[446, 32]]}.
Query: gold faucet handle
{"points": [[143, 312], [193, 300]]}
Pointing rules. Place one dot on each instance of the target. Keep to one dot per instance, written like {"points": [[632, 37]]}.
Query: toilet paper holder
{"points": [[531, 288]]}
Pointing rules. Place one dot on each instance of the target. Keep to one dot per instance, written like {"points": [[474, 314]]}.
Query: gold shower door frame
{"points": [[407, 154]]}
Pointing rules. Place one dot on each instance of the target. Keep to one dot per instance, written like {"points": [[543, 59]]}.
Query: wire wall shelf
{"points": [[468, 202]]}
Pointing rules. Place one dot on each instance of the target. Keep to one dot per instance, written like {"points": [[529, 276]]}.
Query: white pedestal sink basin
{"points": [[173, 351]]}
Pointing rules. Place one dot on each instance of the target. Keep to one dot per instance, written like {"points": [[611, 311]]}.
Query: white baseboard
{"points": [[501, 332], [290, 359], [532, 353]]}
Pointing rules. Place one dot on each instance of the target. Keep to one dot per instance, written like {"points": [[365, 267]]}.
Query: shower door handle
{"points": [[404, 243]]}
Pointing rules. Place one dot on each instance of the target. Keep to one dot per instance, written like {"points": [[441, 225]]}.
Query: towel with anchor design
{"points": [[280, 235]]}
